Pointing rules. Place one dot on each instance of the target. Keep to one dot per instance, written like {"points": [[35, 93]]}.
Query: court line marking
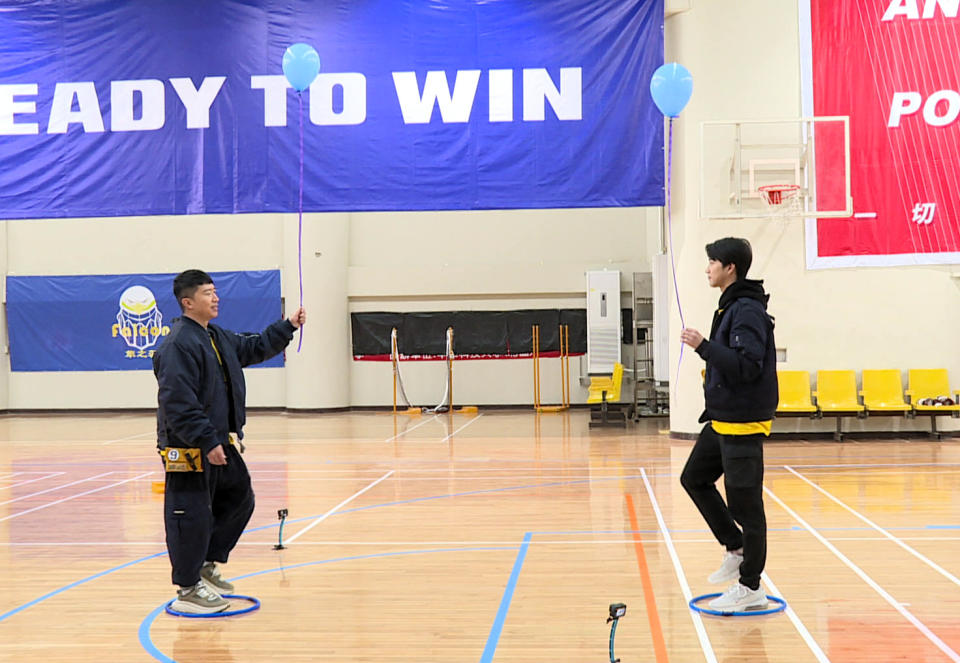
{"points": [[798, 623], [926, 560], [681, 576], [144, 630], [77, 583], [897, 605], [555, 542], [129, 437], [402, 433], [334, 509], [791, 614], [24, 483], [542, 477], [461, 428], [558, 542], [73, 497], [863, 465], [275, 525], [653, 616], [50, 490], [497, 628]]}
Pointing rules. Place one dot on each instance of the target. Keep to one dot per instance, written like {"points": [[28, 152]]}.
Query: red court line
{"points": [[656, 630]]}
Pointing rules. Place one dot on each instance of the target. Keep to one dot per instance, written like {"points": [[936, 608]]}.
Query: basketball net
{"points": [[781, 199]]}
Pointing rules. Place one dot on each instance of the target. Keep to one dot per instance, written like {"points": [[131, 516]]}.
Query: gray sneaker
{"points": [[210, 574], [199, 600]]}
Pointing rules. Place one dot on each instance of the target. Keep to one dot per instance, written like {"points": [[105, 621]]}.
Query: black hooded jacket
{"points": [[740, 384], [200, 404]]}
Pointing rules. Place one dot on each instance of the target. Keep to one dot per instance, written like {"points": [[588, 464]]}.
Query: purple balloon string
{"points": [[673, 265], [300, 220]]}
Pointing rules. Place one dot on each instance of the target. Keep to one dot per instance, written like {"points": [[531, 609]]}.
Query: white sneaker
{"points": [[729, 568], [739, 598]]}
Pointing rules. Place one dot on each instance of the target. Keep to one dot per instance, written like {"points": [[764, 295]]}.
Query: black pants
{"points": [[739, 458], [204, 514]]}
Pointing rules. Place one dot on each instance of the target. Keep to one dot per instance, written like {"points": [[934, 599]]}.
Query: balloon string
{"points": [[673, 265], [300, 220]]}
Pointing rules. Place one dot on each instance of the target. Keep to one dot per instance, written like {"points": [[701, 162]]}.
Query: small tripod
{"points": [[282, 515], [617, 610]]}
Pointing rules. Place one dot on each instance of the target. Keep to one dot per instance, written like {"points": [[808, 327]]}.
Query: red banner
{"points": [[893, 66]]}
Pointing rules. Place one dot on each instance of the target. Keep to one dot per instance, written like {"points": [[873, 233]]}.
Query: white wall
{"points": [[493, 260], [352, 262]]}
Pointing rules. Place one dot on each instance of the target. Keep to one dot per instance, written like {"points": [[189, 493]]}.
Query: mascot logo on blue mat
{"points": [[139, 321]]}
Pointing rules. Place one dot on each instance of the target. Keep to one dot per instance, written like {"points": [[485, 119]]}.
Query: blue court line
{"points": [[273, 525], [552, 484], [11, 613], [792, 528], [144, 631], [82, 581], [447, 496], [497, 627]]}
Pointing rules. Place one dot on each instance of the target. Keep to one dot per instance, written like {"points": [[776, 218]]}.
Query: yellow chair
{"points": [[883, 391], [605, 391], [795, 393], [836, 395], [925, 383], [611, 385]]}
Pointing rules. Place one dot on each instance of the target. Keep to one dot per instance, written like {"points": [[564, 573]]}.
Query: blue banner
{"points": [[116, 108], [116, 322]]}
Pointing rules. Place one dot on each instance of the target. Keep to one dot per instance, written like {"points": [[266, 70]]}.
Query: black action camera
{"points": [[617, 610]]}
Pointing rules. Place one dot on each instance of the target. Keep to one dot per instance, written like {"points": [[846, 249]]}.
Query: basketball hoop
{"points": [[775, 195]]}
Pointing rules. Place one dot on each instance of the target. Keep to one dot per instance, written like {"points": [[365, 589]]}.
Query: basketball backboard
{"points": [[740, 157]]}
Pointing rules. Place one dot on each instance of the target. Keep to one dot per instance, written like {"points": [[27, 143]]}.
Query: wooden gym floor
{"points": [[500, 537]]}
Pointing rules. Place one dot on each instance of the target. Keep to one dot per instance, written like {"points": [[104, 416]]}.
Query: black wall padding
{"points": [[371, 332], [503, 333]]}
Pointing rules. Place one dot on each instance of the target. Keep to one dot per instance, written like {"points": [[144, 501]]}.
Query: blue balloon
{"points": [[301, 64], [671, 87]]}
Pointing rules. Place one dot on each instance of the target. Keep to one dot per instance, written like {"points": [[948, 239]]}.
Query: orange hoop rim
{"points": [[775, 194]]}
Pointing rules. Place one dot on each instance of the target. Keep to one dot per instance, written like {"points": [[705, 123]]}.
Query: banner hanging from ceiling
{"points": [[120, 108]]}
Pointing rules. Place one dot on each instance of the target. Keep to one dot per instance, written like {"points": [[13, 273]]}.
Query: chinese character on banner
{"points": [[923, 213], [131, 354]]}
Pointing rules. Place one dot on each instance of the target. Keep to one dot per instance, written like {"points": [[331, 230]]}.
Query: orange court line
{"points": [[656, 630]]}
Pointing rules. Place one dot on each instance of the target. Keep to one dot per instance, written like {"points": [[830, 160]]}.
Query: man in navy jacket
{"points": [[200, 417], [740, 395]]}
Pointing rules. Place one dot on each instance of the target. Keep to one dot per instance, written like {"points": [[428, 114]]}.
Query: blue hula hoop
{"points": [[781, 605], [254, 605]]}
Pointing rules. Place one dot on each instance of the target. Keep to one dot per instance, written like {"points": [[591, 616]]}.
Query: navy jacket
{"points": [[740, 384], [195, 406]]}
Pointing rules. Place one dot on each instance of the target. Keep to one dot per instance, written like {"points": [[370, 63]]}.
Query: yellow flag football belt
{"points": [[176, 459]]}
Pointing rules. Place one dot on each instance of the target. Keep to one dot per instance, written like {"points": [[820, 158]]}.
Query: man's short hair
{"points": [[734, 251], [185, 284]]}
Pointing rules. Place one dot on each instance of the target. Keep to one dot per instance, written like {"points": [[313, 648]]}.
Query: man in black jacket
{"points": [[200, 417], [741, 395]]}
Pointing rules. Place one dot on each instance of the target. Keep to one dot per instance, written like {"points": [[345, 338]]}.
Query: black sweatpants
{"points": [[204, 514], [739, 458]]}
